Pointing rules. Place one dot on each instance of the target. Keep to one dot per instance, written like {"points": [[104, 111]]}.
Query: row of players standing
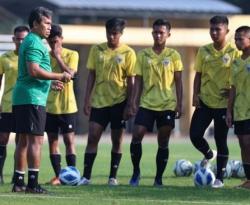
{"points": [[157, 71]]}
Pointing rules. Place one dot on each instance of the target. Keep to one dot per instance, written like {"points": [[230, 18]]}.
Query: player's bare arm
{"points": [[88, 91], [56, 51], [135, 95], [196, 89], [130, 84], [179, 93]]}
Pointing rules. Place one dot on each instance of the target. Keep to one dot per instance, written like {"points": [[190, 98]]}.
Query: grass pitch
{"points": [[177, 191]]}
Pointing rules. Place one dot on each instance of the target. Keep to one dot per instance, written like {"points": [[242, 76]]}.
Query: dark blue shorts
{"points": [[147, 118], [60, 123], [112, 115], [30, 119], [242, 127], [7, 122]]}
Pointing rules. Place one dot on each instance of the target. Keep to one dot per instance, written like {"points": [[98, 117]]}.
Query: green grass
{"points": [[177, 191]]}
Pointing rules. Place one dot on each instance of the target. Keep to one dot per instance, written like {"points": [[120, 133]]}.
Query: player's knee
{"points": [[163, 143], [137, 136], [92, 141]]}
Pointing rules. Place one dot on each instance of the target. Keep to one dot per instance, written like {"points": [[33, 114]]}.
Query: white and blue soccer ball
{"points": [[204, 177], [182, 168], [69, 175], [197, 166], [228, 170], [239, 170]]}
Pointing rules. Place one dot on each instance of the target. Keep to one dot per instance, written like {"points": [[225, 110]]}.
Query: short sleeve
{"points": [[73, 61], [92, 59], [34, 54], [233, 70], [1, 65], [130, 63], [198, 61], [178, 66], [138, 64]]}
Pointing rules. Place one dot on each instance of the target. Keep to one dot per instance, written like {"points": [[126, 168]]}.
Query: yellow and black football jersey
{"points": [[112, 68], [157, 72]]}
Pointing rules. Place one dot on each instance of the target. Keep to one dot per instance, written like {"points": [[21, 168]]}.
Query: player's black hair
{"points": [[244, 29], [162, 22], [56, 30], [219, 20], [21, 29], [117, 24], [37, 13]]}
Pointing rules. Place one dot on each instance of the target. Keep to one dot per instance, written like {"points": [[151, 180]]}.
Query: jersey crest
{"points": [[165, 62], [118, 59], [226, 58]]}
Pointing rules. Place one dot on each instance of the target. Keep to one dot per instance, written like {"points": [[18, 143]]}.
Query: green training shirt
{"points": [[30, 90]]}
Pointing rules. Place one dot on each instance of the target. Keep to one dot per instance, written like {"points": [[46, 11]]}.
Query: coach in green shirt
{"points": [[29, 99]]}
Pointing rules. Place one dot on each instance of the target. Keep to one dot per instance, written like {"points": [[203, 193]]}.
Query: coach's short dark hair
{"points": [[117, 24], [162, 22], [244, 29], [56, 30], [219, 20], [37, 13], [21, 29]]}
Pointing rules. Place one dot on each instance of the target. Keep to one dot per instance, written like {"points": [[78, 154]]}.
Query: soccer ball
{"points": [[197, 166], [204, 177], [69, 175], [239, 170], [233, 164], [183, 167], [228, 171]]}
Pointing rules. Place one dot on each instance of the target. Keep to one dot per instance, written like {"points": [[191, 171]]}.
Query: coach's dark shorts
{"points": [[7, 122], [242, 127], [147, 118], [30, 119], [60, 123], [112, 114]]}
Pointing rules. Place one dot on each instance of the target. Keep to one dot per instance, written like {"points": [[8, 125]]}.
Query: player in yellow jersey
{"points": [[61, 106], [8, 68], [210, 90], [158, 74], [239, 98], [110, 80]]}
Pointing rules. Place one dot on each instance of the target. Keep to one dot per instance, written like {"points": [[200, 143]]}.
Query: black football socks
{"points": [[33, 178], [115, 161], [221, 166], [56, 163], [89, 159], [19, 178], [71, 160], [136, 153], [161, 161], [2, 158]]}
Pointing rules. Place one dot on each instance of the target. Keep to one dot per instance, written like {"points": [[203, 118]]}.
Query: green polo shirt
{"points": [[30, 90]]}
